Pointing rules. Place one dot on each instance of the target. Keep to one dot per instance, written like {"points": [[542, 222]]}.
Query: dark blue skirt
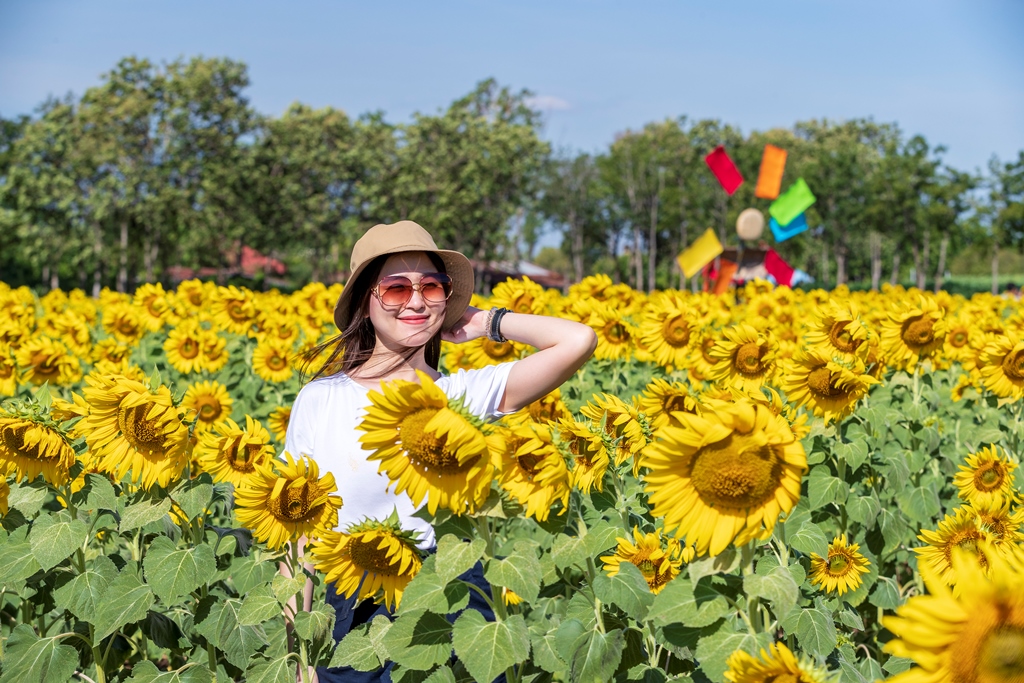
{"points": [[350, 614]]}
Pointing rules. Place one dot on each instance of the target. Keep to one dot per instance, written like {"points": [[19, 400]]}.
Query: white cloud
{"points": [[547, 103]]}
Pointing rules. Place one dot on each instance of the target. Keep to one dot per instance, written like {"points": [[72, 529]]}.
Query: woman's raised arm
{"points": [[563, 346]]}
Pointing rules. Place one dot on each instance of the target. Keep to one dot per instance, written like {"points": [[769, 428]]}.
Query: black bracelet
{"points": [[494, 334]]}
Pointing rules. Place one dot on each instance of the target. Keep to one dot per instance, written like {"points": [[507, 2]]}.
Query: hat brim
{"points": [[456, 266]]}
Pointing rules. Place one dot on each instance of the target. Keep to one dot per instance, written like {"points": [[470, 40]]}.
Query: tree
{"points": [[464, 173], [308, 171], [572, 200], [1005, 209]]}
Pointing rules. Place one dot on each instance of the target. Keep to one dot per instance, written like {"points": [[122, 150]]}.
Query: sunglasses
{"points": [[396, 290]]}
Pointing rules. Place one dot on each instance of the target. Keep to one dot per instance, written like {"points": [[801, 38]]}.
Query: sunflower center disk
{"points": [[966, 540], [497, 350], [1002, 656], [189, 349], [841, 337], [209, 408], [1013, 365], [989, 478], [428, 450], [367, 556], [676, 332], [675, 404], [917, 332], [736, 472], [958, 339], [820, 382], [276, 362], [46, 367], [705, 348], [838, 564], [616, 333], [293, 505], [528, 463], [142, 434], [14, 439], [748, 360]]}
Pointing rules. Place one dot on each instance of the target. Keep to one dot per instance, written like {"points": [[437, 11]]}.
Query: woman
{"points": [[403, 297]]}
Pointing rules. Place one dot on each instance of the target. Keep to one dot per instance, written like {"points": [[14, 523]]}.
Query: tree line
{"points": [[165, 165]]}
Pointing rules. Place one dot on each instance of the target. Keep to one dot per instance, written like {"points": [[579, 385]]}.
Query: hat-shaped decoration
{"points": [[750, 224], [396, 238]]}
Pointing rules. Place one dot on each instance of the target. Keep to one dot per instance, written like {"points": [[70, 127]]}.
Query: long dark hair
{"points": [[354, 345]]}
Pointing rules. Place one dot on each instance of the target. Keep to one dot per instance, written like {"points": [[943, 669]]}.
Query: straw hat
{"points": [[395, 238]]}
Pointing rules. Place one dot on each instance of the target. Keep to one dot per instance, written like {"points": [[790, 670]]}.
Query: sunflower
{"points": [[975, 635], [428, 447], [184, 347], [744, 358], [74, 332], [8, 370], [47, 360], [725, 475], [1001, 520], [286, 500], [110, 350], [614, 333], [545, 410], [837, 330], [132, 429], [986, 478], [215, 355], [622, 424], [230, 454], [234, 309], [270, 360], [191, 294], [510, 597], [662, 398], [841, 571], [1001, 364], [521, 295], [658, 565], [370, 560], [957, 346], [278, 422], [960, 529], [777, 664], [830, 389], [122, 321], [210, 402], [277, 328], [152, 302], [533, 471], [5, 494], [666, 332], [29, 448], [701, 363], [590, 457], [482, 352], [912, 333]]}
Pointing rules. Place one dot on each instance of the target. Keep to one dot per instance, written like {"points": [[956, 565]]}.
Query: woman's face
{"points": [[411, 324]]}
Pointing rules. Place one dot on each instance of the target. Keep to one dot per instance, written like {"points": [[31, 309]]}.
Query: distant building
{"points": [[495, 272]]}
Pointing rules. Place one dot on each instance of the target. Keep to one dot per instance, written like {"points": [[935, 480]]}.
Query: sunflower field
{"points": [[770, 485]]}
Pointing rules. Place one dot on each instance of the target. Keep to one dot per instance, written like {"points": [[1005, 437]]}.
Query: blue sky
{"points": [[953, 71]]}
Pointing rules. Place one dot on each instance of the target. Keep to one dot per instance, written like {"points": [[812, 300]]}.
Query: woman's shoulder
{"points": [[323, 389]]}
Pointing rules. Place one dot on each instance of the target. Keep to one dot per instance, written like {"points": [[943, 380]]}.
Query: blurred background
{"points": [[252, 143]]}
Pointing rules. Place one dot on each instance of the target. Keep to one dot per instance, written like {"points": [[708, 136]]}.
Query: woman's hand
{"points": [[472, 325]]}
